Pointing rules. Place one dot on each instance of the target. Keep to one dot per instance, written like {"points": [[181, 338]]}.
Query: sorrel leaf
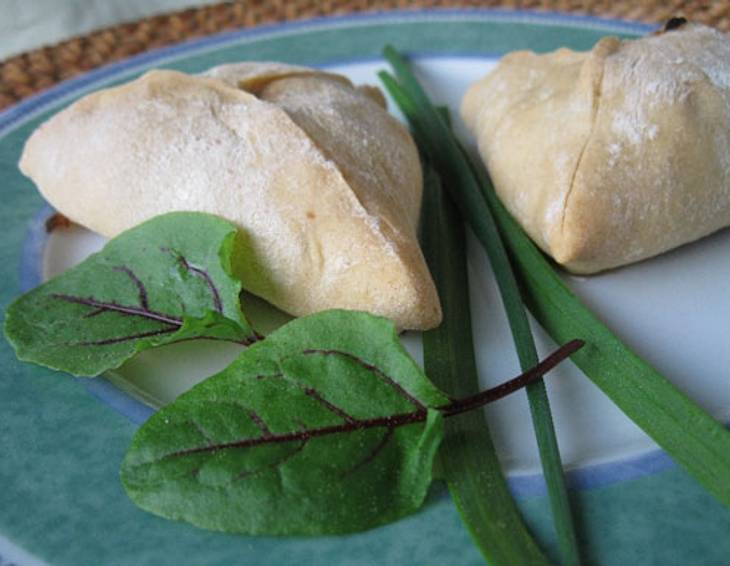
{"points": [[163, 281], [327, 426]]}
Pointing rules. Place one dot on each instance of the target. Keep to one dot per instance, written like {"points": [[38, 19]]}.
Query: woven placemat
{"points": [[31, 72]]}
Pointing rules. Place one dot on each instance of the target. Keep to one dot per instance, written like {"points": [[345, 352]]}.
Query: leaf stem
{"points": [[526, 379], [453, 408], [143, 312]]}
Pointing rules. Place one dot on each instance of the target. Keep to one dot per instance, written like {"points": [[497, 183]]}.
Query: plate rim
{"points": [[15, 115], [522, 485]]}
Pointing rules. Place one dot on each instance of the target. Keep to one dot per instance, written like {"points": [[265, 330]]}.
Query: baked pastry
{"points": [[614, 155], [324, 184]]}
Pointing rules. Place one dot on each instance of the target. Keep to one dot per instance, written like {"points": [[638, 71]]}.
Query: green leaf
{"points": [[163, 281], [467, 457], [327, 426], [435, 136]]}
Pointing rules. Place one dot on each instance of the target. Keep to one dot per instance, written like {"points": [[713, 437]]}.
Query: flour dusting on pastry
{"points": [[324, 184], [613, 155]]}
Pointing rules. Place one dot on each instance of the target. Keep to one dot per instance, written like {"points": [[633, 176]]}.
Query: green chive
{"points": [[690, 435], [467, 457], [439, 144]]}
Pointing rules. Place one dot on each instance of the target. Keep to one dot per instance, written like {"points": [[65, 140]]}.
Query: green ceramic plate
{"points": [[60, 447]]}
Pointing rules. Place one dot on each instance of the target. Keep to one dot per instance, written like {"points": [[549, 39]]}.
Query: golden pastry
{"points": [[324, 184], [614, 155]]}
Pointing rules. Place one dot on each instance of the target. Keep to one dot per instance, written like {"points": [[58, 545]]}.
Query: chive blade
{"points": [[434, 134], [467, 457], [690, 435]]}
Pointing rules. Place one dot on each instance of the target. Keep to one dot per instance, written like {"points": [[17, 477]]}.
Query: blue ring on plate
{"points": [[31, 266]]}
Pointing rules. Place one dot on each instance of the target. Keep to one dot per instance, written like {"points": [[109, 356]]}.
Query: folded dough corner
{"points": [[614, 155], [324, 184]]}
